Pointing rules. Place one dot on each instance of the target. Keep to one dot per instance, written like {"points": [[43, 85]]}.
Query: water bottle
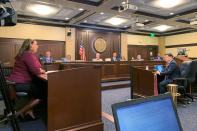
{"points": [[147, 68]]}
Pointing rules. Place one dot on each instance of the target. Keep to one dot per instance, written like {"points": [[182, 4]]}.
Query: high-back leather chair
{"points": [[188, 75], [192, 77]]}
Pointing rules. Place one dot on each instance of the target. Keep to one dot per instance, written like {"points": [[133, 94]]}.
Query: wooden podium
{"points": [[143, 82], [74, 100], [180, 59]]}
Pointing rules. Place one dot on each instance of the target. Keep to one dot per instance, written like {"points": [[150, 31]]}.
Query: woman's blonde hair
{"points": [[26, 46]]}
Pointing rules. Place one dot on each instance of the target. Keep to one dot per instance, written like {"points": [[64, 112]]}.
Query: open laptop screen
{"points": [[146, 115], [158, 67]]}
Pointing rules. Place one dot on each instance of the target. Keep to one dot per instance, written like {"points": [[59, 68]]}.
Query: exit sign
{"points": [[152, 35]]}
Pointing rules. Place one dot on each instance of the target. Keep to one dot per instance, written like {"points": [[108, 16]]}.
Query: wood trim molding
{"points": [[142, 45], [108, 116], [6, 39], [182, 45]]}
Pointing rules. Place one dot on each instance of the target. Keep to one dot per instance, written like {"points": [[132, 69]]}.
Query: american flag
{"points": [[82, 51]]}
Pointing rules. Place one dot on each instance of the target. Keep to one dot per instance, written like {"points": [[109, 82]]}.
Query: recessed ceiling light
{"points": [[42, 9], [168, 3], [171, 13], [115, 21], [81, 9], [101, 13], [123, 2], [146, 20], [162, 27], [67, 18], [85, 21], [125, 26]]}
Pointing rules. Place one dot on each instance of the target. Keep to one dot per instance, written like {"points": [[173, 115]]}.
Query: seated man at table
{"points": [[139, 58], [47, 58], [158, 57], [97, 58], [115, 58], [171, 72]]}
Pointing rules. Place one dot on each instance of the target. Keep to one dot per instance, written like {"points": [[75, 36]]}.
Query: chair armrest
{"points": [[10, 82], [180, 79], [21, 94], [181, 82]]}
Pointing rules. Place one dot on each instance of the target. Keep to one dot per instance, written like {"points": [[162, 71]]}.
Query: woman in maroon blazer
{"points": [[26, 66]]}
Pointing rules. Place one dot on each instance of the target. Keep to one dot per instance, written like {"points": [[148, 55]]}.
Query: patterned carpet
{"points": [[187, 115]]}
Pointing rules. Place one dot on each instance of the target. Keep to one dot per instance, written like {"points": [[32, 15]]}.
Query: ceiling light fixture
{"points": [[162, 27], [168, 3], [42, 9], [115, 21], [125, 26], [123, 2], [85, 21], [193, 23], [102, 13], [81, 9], [171, 13], [139, 24], [146, 20], [67, 18]]}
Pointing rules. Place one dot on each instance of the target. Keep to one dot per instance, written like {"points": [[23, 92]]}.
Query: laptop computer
{"points": [[158, 67], [155, 113]]}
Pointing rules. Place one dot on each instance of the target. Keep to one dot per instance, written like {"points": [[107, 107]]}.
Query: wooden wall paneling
{"points": [[89, 36], [131, 53], [9, 47], [143, 50], [42, 48], [6, 50], [17, 47], [57, 49], [116, 43]]}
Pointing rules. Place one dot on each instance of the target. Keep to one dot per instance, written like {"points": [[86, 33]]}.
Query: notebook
{"points": [[155, 113]]}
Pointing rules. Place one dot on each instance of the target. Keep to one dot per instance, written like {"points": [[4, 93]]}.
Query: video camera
{"points": [[8, 16]]}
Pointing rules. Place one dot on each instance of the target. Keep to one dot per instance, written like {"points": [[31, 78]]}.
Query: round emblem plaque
{"points": [[100, 45]]}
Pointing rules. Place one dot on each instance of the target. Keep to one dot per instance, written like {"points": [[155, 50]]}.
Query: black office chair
{"points": [[192, 78], [184, 82], [8, 96]]}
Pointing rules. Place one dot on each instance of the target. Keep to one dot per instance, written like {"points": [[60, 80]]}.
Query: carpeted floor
{"points": [[36, 125], [187, 115]]}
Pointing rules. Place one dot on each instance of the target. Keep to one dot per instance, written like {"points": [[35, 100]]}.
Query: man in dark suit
{"points": [[171, 72], [47, 58], [158, 57], [115, 58]]}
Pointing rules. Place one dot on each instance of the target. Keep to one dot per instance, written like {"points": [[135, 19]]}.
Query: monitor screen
{"points": [[158, 67], [154, 115]]}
